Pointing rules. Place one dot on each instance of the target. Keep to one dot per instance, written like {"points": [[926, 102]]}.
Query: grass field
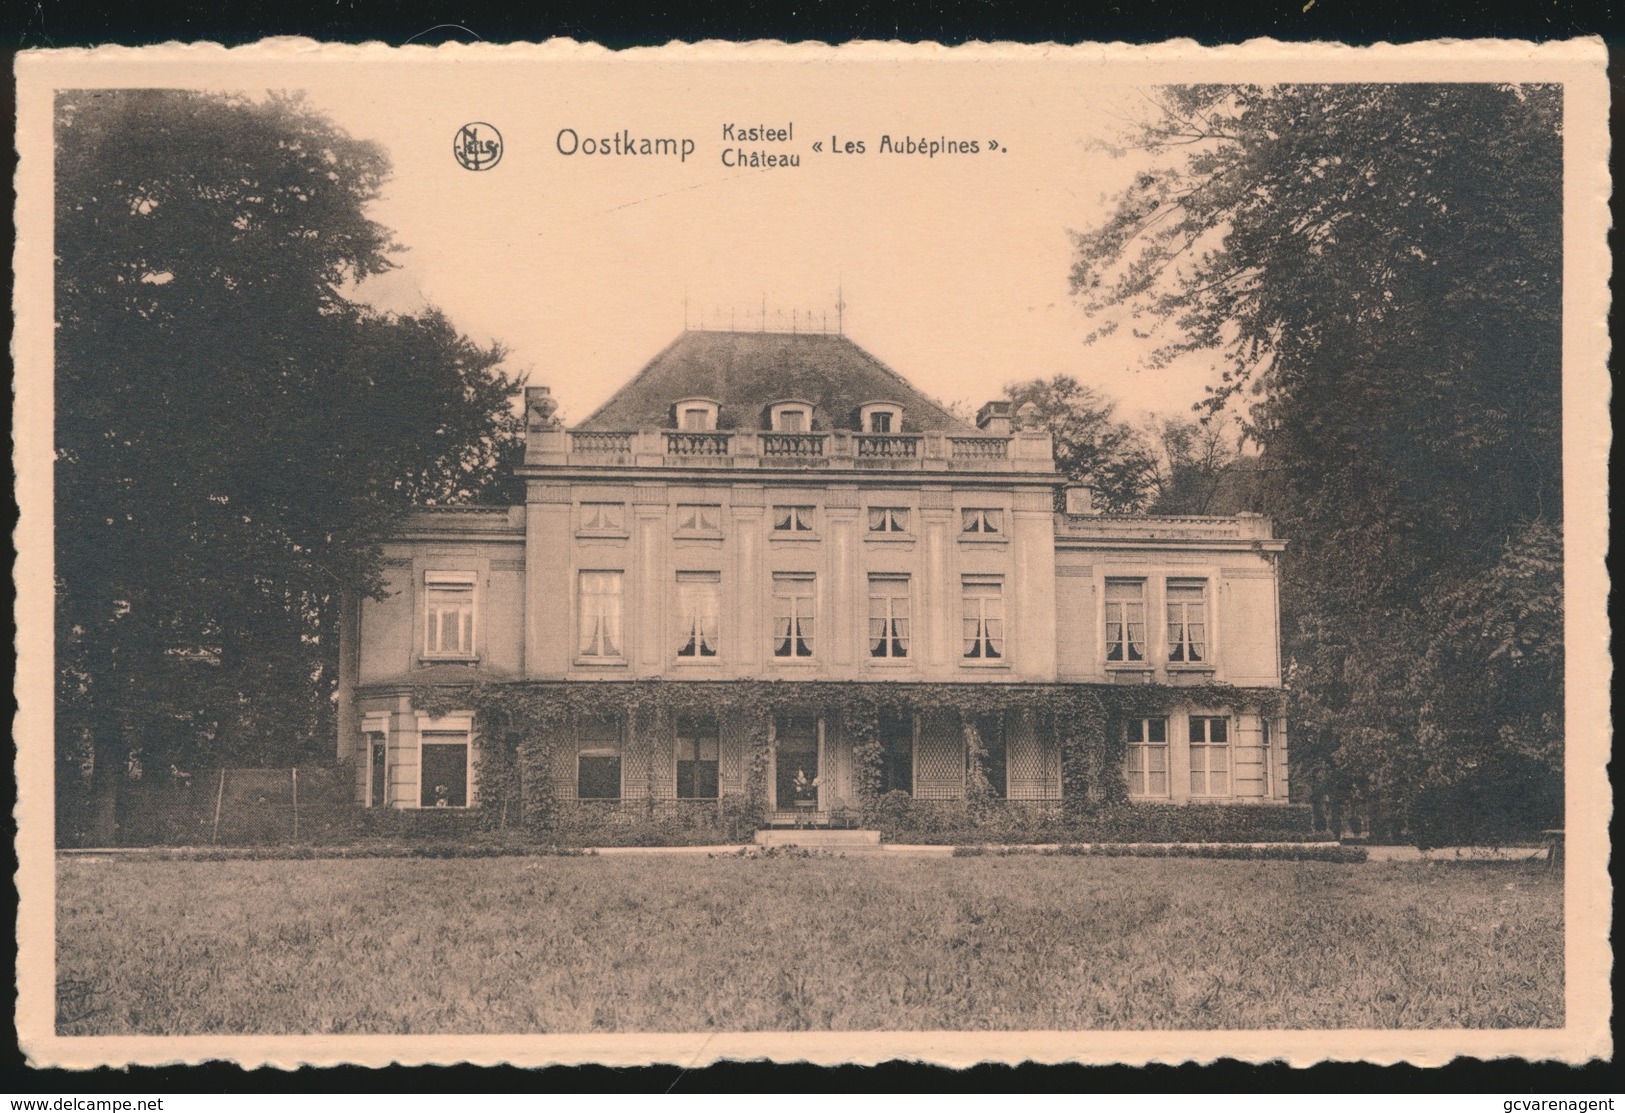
{"points": [[685, 943]]}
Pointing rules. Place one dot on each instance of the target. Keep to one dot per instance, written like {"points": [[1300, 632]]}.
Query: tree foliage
{"points": [[1091, 445], [232, 436], [1200, 468], [1380, 268]]}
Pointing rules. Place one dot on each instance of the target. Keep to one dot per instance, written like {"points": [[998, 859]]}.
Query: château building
{"points": [[782, 529]]}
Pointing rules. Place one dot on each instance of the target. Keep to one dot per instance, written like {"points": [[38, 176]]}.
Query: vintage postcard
{"points": [[537, 554]]}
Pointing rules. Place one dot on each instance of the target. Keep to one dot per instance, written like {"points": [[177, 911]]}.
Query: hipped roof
{"points": [[745, 371]]}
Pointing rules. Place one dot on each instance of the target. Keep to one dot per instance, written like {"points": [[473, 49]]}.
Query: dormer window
{"points": [[696, 415], [880, 417], [793, 415]]}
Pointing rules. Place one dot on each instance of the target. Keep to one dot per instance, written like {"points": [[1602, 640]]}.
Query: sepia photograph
{"points": [[539, 554]]}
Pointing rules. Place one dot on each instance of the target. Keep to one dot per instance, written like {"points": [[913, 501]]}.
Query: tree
{"points": [[233, 437], [1091, 445], [1380, 267], [1200, 468]]}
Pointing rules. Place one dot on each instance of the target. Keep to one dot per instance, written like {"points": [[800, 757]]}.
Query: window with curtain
{"points": [[888, 519], [981, 521], [699, 518], [1125, 620], [888, 616], [982, 613], [793, 622], [1187, 621], [603, 516], [599, 606], [793, 519], [699, 605]]}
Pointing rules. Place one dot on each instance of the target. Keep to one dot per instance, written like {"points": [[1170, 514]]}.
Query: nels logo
{"points": [[478, 146]]}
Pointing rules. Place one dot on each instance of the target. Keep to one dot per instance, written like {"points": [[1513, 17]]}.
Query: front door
{"points": [[795, 764]]}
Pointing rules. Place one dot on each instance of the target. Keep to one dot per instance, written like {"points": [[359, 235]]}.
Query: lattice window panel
{"points": [[635, 767], [564, 765], [663, 752], [1034, 762], [939, 763], [731, 754]]}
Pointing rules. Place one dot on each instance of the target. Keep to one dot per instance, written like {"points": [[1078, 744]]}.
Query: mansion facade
{"points": [[765, 507]]}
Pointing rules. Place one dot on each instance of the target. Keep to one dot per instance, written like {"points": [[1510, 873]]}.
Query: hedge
{"points": [[902, 819], [1302, 852]]}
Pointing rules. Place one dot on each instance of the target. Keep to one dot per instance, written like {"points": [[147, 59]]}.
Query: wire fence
{"points": [[222, 807]]}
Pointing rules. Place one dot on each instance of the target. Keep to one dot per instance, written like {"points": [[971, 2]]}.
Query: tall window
{"points": [[1125, 620], [443, 769], [880, 421], [792, 421], [793, 623], [793, 519], [1147, 757], [888, 519], [600, 611], [698, 744], [448, 614], [696, 419], [377, 769], [603, 516], [981, 522], [888, 616], [982, 612], [1187, 621], [699, 518], [1210, 756], [897, 753], [699, 603], [598, 758]]}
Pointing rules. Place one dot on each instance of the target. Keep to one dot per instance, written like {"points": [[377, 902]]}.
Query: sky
{"points": [[951, 269]]}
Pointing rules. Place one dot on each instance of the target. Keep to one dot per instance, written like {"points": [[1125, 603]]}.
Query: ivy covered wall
{"points": [[526, 733]]}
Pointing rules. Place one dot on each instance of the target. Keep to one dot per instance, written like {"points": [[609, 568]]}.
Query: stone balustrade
{"points": [[839, 449]]}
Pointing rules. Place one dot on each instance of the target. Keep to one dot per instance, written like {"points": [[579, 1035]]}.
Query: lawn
{"points": [[688, 943]]}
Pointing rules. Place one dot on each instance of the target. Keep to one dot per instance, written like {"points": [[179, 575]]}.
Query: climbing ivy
{"points": [[526, 728]]}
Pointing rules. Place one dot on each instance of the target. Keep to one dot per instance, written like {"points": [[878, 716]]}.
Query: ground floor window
{"points": [[377, 770], [598, 758], [443, 770], [1210, 755], [699, 744], [896, 753], [1147, 756], [795, 761]]}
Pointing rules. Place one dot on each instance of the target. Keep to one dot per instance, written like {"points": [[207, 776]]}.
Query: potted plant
{"points": [[806, 790]]}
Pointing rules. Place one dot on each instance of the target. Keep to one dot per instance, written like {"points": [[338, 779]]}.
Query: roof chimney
{"points": [[994, 418]]}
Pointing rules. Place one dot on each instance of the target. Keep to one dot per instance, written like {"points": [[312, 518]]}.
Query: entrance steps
{"points": [[818, 838]]}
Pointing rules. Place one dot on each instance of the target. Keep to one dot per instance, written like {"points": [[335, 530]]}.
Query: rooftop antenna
{"points": [[763, 326], [840, 312], [685, 309]]}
